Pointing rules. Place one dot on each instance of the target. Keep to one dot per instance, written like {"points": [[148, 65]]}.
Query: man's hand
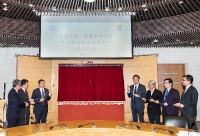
{"points": [[42, 99], [32, 101], [152, 100], [144, 99], [181, 106], [156, 101], [50, 94], [165, 104], [26, 104], [136, 95], [128, 88], [177, 104]]}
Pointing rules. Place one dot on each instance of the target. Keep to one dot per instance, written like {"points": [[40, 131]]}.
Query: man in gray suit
{"points": [[188, 102], [136, 92]]}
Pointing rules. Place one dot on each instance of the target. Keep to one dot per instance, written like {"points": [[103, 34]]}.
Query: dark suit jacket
{"points": [[24, 98], [138, 102], [152, 106], [38, 106], [14, 104], [172, 98], [189, 100]]}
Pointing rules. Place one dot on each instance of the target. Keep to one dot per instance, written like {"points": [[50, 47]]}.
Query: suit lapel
{"points": [[183, 94], [39, 93]]}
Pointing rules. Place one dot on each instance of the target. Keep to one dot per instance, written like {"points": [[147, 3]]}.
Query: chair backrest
{"points": [[176, 121]]}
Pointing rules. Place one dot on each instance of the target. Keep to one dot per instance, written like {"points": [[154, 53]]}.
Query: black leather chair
{"points": [[176, 121]]}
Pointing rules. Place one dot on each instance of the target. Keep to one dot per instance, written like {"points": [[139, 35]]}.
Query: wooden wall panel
{"points": [[173, 71], [33, 69]]}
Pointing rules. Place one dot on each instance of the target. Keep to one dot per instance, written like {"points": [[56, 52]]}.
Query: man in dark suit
{"points": [[170, 97], [25, 111], [189, 99], [153, 109], [14, 104], [136, 92], [41, 96]]}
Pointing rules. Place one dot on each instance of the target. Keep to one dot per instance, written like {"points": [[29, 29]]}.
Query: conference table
{"points": [[94, 128]]}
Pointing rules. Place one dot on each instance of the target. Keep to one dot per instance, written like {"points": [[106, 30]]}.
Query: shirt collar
{"points": [[152, 90], [188, 86], [136, 84], [15, 90], [23, 89]]}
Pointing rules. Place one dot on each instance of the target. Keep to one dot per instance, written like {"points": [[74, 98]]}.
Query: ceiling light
{"points": [[34, 10], [180, 2], [145, 9], [30, 5], [5, 9], [79, 9], [119, 9], [89, 0], [22, 43], [191, 43], [134, 13], [4, 4], [144, 5], [54, 8], [155, 40], [178, 40], [107, 9]]}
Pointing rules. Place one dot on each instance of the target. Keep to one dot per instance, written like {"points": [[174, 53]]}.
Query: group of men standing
{"points": [[18, 111], [169, 99]]}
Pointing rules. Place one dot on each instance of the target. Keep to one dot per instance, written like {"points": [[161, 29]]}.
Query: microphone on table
{"points": [[36, 131], [154, 130], [123, 126], [51, 127], [81, 125], [4, 126]]}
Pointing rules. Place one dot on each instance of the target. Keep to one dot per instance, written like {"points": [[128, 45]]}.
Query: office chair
{"points": [[176, 121]]}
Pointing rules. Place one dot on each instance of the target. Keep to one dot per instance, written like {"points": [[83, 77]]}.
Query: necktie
{"points": [[165, 96], [134, 92], [26, 92], [184, 92], [43, 97]]}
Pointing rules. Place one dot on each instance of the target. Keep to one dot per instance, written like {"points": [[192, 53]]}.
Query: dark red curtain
{"points": [[91, 83]]}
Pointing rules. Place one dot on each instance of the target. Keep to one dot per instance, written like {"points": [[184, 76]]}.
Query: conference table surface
{"points": [[28, 129]]}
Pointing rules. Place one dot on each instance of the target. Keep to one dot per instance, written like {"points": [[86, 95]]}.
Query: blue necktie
{"points": [[165, 96]]}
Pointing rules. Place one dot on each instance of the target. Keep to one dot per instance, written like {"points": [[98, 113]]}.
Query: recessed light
{"points": [[5, 8], [146, 9], [134, 13], [107, 9], [119, 9], [191, 43], [79, 9], [30, 5], [155, 40], [180, 2], [54, 8], [34, 10], [144, 5], [5, 4], [22, 43], [178, 40], [89, 0]]}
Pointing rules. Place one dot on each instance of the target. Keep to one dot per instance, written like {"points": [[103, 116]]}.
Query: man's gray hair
{"points": [[16, 82], [152, 82]]}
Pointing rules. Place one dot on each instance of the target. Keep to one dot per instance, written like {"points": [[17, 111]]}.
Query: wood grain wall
{"points": [[33, 69]]}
